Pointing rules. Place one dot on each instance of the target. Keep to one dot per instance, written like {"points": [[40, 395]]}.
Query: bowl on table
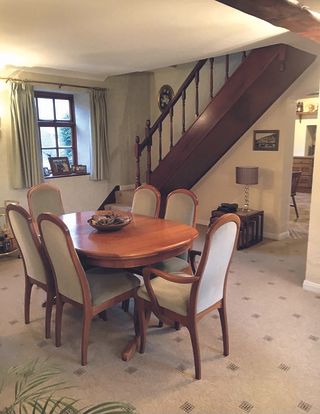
{"points": [[109, 221]]}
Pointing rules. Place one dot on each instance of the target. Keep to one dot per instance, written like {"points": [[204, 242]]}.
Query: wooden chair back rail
{"points": [[180, 96]]}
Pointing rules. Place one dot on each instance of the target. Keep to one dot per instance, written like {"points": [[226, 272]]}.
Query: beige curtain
{"points": [[26, 152], [99, 135]]}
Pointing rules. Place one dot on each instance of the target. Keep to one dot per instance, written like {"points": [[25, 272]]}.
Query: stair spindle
{"points": [[137, 155], [183, 96], [196, 79], [149, 144], [160, 141], [211, 60], [171, 127], [227, 67]]}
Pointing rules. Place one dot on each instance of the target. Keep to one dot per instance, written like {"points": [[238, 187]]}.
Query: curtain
{"points": [[99, 135], [26, 151]]}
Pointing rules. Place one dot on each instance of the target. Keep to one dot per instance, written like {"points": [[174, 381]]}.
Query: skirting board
{"points": [[203, 222], [311, 286], [276, 236], [272, 236]]}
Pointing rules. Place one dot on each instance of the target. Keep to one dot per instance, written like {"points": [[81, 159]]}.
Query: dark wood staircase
{"points": [[262, 77]]}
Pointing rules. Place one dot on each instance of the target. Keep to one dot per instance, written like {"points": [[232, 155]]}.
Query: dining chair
{"points": [[43, 198], [36, 267], [93, 290], [296, 175], [146, 201], [187, 298], [181, 206]]}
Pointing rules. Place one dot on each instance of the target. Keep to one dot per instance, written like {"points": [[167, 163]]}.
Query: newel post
{"points": [[149, 144], [137, 155]]}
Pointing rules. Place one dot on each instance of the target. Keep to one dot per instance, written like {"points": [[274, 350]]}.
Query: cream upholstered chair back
{"points": [[44, 198], [28, 243], [146, 201], [214, 264], [181, 207], [67, 269]]}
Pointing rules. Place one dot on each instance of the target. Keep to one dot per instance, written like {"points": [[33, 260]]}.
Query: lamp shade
{"points": [[247, 175]]}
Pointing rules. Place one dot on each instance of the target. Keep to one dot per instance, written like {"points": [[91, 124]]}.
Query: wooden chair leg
{"points": [[147, 316], [86, 324], [103, 315], [177, 326], [59, 310], [295, 206], [224, 327], [193, 330], [136, 319], [50, 298], [27, 296], [125, 305], [142, 324]]}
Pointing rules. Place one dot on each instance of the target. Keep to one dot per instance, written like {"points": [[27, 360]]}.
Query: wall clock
{"points": [[165, 96]]}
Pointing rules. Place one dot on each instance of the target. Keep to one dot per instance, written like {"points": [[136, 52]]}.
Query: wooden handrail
{"points": [[175, 99], [180, 96]]}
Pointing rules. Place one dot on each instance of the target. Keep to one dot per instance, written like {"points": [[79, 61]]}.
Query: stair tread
{"points": [[117, 206]]}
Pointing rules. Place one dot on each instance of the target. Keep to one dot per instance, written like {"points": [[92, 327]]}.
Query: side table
{"points": [[8, 243], [251, 227]]}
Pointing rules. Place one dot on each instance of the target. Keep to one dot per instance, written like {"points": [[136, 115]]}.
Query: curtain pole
{"points": [[59, 84]]}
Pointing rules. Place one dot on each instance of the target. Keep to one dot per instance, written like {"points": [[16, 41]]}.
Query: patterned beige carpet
{"points": [[273, 367]]}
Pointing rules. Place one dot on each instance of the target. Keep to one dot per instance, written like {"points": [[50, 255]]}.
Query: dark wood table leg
{"points": [[130, 349]]}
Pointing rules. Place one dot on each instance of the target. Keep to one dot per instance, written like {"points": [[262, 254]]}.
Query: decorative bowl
{"points": [[109, 221]]}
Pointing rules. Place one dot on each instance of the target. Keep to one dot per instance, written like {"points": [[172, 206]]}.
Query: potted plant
{"points": [[34, 386]]}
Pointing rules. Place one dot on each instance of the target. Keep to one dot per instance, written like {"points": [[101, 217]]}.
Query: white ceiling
{"points": [[97, 38]]}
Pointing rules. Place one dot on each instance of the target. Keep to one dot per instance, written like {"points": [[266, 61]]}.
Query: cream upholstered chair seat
{"points": [[169, 296], [93, 290], [107, 283], [173, 264]]}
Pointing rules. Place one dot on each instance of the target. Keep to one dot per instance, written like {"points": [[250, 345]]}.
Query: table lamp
{"points": [[246, 176]]}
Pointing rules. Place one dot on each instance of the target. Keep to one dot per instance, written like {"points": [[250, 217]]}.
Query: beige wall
{"points": [[301, 127], [312, 280], [271, 194], [128, 110]]}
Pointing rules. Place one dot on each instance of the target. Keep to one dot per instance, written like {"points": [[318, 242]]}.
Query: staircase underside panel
{"points": [[258, 82]]}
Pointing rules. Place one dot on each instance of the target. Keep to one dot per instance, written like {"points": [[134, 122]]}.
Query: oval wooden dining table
{"points": [[144, 241]]}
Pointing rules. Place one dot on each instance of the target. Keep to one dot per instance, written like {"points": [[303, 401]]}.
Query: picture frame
{"points": [[266, 140], [79, 169], [59, 165]]}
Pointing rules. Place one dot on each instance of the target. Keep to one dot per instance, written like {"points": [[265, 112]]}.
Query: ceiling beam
{"points": [[291, 15]]}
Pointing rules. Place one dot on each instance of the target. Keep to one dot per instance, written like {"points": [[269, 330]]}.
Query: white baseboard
{"points": [[311, 286], [127, 187], [276, 236], [203, 222]]}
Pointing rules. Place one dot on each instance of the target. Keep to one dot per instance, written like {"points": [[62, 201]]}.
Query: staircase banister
{"points": [[175, 99]]}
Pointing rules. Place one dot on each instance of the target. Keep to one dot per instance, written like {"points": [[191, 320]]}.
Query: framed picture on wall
{"points": [[266, 140], [59, 165]]}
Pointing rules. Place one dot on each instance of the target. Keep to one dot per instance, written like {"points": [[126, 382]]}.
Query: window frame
{"points": [[58, 123]]}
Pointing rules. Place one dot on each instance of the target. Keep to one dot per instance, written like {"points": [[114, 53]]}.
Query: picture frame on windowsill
{"points": [[59, 165]]}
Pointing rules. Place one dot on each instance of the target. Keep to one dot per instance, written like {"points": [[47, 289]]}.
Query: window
{"points": [[57, 126]]}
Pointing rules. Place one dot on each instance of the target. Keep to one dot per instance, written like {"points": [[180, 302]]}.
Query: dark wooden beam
{"points": [[282, 13]]}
